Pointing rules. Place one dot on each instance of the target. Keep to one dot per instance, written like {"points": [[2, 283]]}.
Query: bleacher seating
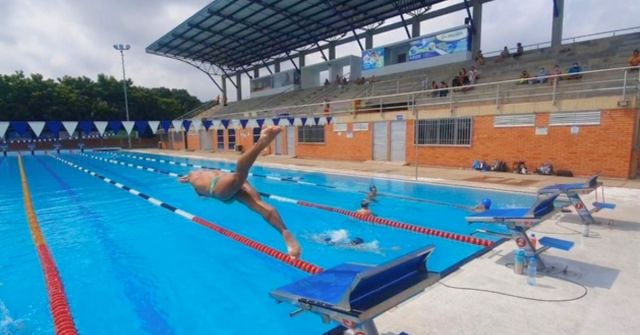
{"points": [[592, 55]]}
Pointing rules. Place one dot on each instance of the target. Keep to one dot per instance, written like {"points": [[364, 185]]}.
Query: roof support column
{"points": [[256, 72], [368, 40], [224, 90], [556, 26], [476, 38], [276, 66], [332, 50], [415, 26], [301, 60], [238, 87]]}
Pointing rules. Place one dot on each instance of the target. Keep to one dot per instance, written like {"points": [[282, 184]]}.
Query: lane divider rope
{"points": [[291, 180], [58, 302], [297, 263], [366, 218]]}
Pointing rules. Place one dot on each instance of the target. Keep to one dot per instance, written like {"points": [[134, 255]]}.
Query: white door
{"points": [[291, 141], [380, 141], [279, 144], [205, 140], [398, 141]]}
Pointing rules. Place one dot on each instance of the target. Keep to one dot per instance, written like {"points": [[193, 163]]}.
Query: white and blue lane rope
{"points": [[298, 263], [301, 182]]}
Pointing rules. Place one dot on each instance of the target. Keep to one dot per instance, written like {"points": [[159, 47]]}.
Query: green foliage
{"points": [[69, 98]]}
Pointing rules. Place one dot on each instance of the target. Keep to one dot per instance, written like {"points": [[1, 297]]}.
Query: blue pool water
{"points": [[133, 268]]}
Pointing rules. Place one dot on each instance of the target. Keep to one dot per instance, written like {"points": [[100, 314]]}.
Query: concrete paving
{"points": [[591, 289]]}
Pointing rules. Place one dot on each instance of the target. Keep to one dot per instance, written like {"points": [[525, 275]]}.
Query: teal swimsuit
{"points": [[212, 186]]}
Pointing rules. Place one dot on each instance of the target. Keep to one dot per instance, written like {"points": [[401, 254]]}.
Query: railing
{"points": [[569, 40], [202, 108], [623, 81]]}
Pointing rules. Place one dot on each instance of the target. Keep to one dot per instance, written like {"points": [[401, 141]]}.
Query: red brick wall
{"points": [[193, 141], [607, 148], [338, 146]]}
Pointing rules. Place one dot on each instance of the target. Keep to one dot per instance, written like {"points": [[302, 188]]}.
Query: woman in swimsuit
{"points": [[228, 187]]}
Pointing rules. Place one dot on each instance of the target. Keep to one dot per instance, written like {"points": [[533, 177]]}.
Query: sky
{"points": [[76, 37]]}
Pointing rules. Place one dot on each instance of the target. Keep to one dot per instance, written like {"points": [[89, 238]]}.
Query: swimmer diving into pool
{"points": [[228, 187]]}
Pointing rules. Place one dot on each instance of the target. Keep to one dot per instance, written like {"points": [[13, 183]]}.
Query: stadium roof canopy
{"points": [[232, 34]]}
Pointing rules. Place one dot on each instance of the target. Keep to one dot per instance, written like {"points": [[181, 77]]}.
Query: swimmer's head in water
{"points": [[486, 202], [357, 241], [372, 188], [364, 204]]}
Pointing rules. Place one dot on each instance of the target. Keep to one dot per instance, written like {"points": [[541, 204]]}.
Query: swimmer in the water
{"points": [[228, 187], [364, 208], [373, 192], [354, 242], [484, 205]]}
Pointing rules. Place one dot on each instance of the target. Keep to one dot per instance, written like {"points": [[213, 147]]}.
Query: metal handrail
{"points": [[572, 39]]}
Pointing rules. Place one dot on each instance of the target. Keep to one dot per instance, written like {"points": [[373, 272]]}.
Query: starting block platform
{"points": [[353, 294]]}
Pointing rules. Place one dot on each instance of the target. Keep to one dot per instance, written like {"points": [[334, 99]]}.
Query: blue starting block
{"points": [[556, 243], [353, 294]]}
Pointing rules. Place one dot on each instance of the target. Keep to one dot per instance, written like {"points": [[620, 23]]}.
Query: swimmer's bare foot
{"points": [[293, 247], [269, 133]]}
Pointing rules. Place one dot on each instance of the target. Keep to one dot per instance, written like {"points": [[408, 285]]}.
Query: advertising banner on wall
{"points": [[372, 59], [442, 44]]}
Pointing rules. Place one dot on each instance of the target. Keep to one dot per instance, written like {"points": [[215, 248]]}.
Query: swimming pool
{"points": [[131, 267]]}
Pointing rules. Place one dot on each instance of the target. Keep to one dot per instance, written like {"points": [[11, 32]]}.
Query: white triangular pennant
{"points": [[70, 126], [310, 122], [37, 127], [154, 126], [177, 125], [215, 124], [322, 121], [268, 122], [101, 126], [252, 123], [235, 124], [297, 122], [128, 126], [3, 128], [284, 122], [196, 124]]}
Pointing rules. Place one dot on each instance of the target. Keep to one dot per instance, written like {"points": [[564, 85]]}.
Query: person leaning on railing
{"points": [[634, 60], [524, 77]]}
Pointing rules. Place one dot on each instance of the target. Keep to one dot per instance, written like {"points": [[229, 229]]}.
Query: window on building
{"points": [[232, 138], [311, 134], [220, 137], [449, 131], [256, 134]]}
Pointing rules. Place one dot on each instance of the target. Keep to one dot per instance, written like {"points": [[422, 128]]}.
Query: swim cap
{"points": [[372, 187], [364, 204], [486, 202], [357, 241]]}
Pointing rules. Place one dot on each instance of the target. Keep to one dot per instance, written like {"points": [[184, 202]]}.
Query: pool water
{"points": [[133, 268]]}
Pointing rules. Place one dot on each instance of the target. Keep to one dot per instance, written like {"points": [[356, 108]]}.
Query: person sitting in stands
{"points": [[505, 53], [519, 51], [541, 76], [338, 79], [364, 208], [634, 60], [464, 79], [472, 75], [524, 77], [484, 205], [345, 81], [326, 82], [444, 92], [555, 72], [575, 71], [455, 82], [480, 58], [434, 86]]}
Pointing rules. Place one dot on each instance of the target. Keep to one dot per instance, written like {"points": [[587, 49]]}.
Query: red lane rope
{"points": [[401, 225], [58, 303]]}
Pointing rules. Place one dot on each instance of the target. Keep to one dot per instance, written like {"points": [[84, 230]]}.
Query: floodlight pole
{"points": [[122, 49]]}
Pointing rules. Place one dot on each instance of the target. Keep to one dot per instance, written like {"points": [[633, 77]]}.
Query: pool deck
{"points": [[607, 263]]}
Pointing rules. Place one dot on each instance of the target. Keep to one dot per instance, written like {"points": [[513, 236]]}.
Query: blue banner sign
{"points": [[437, 45], [372, 59]]}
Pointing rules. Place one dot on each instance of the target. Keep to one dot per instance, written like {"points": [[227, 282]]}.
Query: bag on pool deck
{"points": [[499, 166], [564, 173], [478, 165], [546, 169]]}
